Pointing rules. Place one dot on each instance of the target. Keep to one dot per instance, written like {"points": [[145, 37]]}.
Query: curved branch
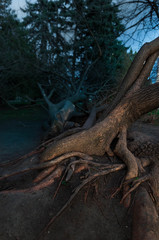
{"points": [[44, 94], [135, 70], [97, 140], [144, 74]]}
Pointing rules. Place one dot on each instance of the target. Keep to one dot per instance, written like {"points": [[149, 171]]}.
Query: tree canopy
{"points": [[16, 70], [66, 46]]}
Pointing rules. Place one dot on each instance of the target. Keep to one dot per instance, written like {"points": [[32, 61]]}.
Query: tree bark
{"points": [[142, 61], [130, 103], [145, 217], [97, 140]]}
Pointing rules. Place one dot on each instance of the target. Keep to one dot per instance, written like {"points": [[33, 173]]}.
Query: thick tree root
{"points": [[145, 217], [154, 181], [122, 151], [109, 169], [48, 175]]}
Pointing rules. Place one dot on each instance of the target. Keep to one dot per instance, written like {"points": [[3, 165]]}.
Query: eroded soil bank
{"points": [[92, 215]]}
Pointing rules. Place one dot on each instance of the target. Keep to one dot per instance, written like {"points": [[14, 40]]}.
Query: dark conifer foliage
{"points": [[17, 75], [76, 44], [97, 27], [70, 46]]}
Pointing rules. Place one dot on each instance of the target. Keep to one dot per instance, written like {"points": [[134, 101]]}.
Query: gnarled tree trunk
{"points": [[109, 137], [132, 101]]}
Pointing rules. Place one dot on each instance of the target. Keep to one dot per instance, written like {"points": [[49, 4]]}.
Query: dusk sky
{"points": [[135, 43]]}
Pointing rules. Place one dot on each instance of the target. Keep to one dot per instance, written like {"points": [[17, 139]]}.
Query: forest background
{"points": [[69, 47]]}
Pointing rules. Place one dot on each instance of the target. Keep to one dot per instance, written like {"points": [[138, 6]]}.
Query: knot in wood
{"points": [[101, 139]]}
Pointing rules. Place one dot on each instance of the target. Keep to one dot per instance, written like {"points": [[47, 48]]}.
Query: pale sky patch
{"points": [[135, 43], [17, 4]]}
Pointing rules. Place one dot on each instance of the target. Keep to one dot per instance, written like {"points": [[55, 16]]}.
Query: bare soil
{"points": [[92, 214]]}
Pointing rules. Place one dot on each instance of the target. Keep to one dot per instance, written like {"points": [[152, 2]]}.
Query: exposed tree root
{"points": [[66, 156], [130, 104], [133, 164], [145, 217], [26, 156], [49, 164], [116, 167], [44, 174], [118, 189], [53, 169], [85, 164], [122, 151], [45, 183], [49, 180], [135, 184], [48, 176], [127, 200], [154, 183]]}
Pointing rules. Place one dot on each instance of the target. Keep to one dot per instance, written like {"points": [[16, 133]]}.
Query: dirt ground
{"points": [[24, 215]]}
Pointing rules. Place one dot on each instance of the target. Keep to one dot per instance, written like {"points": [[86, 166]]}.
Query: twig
{"points": [[37, 150], [8, 103], [119, 188], [49, 163], [116, 167], [81, 161], [55, 194], [135, 185], [43, 184]]}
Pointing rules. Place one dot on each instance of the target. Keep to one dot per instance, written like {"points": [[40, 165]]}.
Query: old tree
{"points": [[70, 152]]}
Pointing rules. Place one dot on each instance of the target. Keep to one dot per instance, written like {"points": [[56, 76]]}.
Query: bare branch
{"points": [[44, 95]]}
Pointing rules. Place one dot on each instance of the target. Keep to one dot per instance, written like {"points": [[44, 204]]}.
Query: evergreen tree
{"points": [[4, 8], [96, 28], [16, 56], [76, 43], [45, 34]]}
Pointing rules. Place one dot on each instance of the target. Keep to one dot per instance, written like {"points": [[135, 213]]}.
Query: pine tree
{"points": [[76, 43], [4, 7], [45, 34], [17, 73], [96, 52]]}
